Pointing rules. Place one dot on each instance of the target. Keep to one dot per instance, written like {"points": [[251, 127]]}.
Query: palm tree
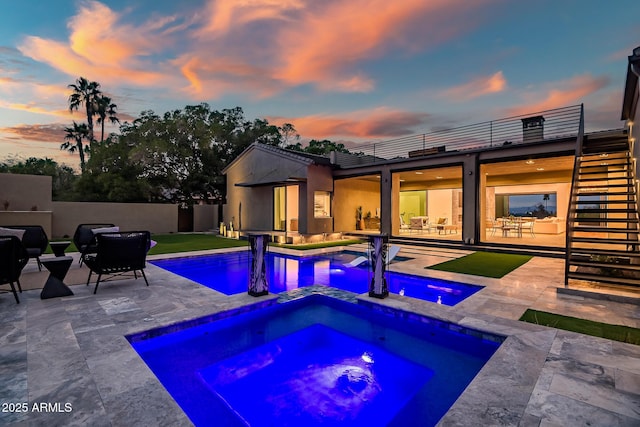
{"points": [[545, 199], [77, 133], [87, 93], [106, 111]]}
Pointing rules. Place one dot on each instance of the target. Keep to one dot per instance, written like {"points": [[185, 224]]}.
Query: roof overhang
{"points": [[266, 181], [630, 97]]}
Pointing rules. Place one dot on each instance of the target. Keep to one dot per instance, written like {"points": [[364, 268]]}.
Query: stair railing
{"points": [[573, 198]]}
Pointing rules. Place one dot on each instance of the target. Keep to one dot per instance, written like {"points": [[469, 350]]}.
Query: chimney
{"points": [[533, 129]]}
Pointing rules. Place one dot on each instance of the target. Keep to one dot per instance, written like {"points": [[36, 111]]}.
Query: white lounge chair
{"points": [[393, 251]]}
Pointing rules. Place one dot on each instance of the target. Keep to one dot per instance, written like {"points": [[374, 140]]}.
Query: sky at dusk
{"points": [[352, 71]]}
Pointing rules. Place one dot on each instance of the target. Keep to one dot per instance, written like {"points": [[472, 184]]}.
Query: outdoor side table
{"points": [[58, 248], [54, 286]]}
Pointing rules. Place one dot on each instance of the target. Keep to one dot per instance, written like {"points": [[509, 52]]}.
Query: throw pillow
{"points": [[12, 232]]}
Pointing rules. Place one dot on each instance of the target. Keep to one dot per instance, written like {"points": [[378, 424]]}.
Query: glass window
{"points": [[536, 205], [279, 208], [321, 204]]}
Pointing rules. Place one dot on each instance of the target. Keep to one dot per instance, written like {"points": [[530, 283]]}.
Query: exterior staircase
{"points": [[602, 223]]}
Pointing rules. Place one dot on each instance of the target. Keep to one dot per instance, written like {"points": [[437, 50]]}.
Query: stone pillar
{"points": [[258, 285], [378, 287]]}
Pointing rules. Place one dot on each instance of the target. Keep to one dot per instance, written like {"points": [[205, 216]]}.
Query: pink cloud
{"points": [[561, 94], [477, 87], [327, 42], [258, 47], [369, 124], [43, 133], [102, 48]]}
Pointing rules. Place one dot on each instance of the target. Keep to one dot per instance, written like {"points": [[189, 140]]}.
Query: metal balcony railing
{"points": [[558, 123]]}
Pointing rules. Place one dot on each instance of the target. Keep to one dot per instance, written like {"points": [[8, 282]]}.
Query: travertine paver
{"points": [[70, 353]]}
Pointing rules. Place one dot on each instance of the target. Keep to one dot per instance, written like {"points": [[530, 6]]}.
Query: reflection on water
{"points": [[229, 274]]}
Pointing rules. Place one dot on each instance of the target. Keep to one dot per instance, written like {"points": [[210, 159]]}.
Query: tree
{"points": [[289, 135], [182, 154], [319, 147], [85, 93], [77, 134], [111, 175], [106, 110]]}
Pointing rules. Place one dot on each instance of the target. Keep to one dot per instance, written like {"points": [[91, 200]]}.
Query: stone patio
{"points": [[67, 361]]}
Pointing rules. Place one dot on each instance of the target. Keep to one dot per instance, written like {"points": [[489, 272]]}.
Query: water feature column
{"points": [[378, 287], [258, 285]]}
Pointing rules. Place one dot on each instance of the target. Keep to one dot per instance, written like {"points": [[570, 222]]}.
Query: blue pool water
{"points": [[316, 361], [229, 273]]}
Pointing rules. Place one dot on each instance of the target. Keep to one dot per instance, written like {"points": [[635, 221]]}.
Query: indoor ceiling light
{"points": [[529, 162], [539, 169], [438, 177], [419, 173]]}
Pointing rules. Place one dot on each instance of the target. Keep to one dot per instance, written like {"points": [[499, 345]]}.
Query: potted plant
{"points": [[359, 220]]}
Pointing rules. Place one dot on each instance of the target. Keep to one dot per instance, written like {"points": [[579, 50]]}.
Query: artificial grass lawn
{"points": [[174, 243], [624, 334], [487, 264]]}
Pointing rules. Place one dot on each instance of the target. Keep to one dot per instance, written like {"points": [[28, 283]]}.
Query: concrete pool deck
{"points": [[66, 361]]}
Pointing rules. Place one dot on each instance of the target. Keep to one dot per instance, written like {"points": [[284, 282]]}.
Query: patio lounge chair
{"points": [[118, 253], [84, 237], [34, 239], [13, 258], [393, 251]]}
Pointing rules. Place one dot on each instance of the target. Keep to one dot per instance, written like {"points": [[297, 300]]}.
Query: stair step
{"points": [[582, 229], [606, 241], [604, 175], [580, 187], [604, 279], [604, 210], [598, 164], [605, 193], [604, 252], [600, 264], [603, 201], [607, 220], [607, 178], [614, 157]]}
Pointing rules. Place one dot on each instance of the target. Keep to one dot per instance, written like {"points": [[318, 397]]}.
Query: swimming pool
{"points": [[229, 273], [315, 361]]}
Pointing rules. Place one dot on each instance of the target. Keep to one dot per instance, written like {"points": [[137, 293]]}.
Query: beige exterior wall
{"points": [[205, 217], [42, 218], [251, 208], [157, 218], [25, 192]]}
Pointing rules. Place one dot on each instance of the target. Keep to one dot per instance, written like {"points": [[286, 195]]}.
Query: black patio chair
{"points": [[13, 258], [85, 240], [119, 253], [34, 240]]}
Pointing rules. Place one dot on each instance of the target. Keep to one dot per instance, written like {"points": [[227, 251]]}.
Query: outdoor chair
{"points": [[13, 258], [34, 239], [403, 225], [118, 253], [85, 237], [492, 226]]}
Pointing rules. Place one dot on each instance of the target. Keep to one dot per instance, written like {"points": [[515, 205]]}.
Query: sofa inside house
{"points": [[550, 225]]}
